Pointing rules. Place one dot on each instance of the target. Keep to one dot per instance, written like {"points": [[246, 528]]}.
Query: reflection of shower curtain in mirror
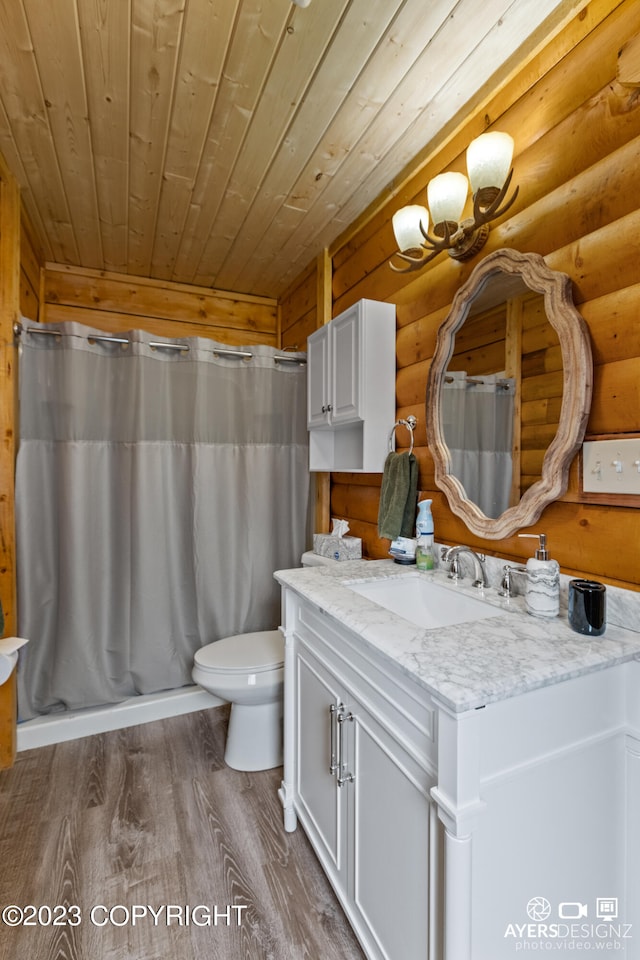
{"points": [[477, 421], [156, 492]]}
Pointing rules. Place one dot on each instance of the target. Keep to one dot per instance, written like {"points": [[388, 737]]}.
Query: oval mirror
{"points": [[508, 393]]}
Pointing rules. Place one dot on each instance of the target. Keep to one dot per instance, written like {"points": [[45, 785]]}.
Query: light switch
{"points": [[611, 466]]}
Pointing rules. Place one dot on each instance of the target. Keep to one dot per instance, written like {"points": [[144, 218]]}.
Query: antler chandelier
{"points": [[489, 167]]}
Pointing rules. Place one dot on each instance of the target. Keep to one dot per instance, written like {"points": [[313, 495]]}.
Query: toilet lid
{"points": [[246, 651]]}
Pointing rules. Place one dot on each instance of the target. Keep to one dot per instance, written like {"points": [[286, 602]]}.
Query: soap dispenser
{"points": [[542, 594]]}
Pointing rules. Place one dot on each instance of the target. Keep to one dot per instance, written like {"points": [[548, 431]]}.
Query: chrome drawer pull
{"points": [[347, 777], [333, 760]]}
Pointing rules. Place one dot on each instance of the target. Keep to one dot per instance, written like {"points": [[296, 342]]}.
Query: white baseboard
{"points": [[58, 727]]}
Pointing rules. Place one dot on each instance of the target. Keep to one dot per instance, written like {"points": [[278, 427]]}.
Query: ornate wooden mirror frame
{"points": [[576, 397]]}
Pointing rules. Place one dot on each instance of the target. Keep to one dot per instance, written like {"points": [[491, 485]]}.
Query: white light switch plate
{"points": [[611, 466]]}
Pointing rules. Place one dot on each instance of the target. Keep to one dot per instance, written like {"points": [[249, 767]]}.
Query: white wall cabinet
{"points": [[352, 767], [351, 369]]}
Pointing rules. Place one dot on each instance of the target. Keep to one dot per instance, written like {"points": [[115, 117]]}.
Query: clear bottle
{"points": [[424, 534]]}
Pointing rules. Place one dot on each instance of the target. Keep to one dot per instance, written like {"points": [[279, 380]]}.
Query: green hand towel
{"points": [[398, 496]]}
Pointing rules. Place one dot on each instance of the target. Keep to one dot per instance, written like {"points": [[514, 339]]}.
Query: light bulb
{"points": [[406, 227], [447, 195], [489, 160]]}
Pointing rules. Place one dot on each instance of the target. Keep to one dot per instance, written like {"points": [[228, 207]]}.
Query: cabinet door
{"points": [[318, 385], [346, 335], [389, 846], [319, 800]]}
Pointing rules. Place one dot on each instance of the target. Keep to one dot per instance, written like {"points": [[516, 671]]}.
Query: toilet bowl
{"points": [[247, 671]]}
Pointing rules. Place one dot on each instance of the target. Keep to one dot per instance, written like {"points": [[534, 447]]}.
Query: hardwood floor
{"points": [[147, 817]]}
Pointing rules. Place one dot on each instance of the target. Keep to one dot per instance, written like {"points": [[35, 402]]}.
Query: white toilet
{"points": [[247, 671]]}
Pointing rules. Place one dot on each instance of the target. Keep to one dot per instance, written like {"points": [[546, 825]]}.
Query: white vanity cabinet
{"points": [[451, 826], [358, 772], [539, 797], [351, 389]]}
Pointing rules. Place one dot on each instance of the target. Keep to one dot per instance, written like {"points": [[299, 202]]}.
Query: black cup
{"points": [[587, 607]]}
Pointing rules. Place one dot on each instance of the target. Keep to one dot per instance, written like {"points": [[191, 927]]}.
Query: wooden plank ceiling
{"points": [[226, 142]]}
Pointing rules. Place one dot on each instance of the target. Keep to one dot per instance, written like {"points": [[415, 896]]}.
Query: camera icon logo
{"points": [[570, 910]]}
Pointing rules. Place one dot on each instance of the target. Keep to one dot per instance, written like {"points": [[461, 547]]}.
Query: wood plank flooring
{"points": [[150, 816]]}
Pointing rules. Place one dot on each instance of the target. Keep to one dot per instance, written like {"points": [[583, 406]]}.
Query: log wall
{"points": [[9, 314], [574, 112], [298, 310], [118, 302], [31, 259]]}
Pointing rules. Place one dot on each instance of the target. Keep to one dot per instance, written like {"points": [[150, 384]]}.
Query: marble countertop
{"points": [[470, 664]]}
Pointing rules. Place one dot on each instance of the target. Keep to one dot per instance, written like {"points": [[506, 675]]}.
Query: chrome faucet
{"points": [[451, 556]]}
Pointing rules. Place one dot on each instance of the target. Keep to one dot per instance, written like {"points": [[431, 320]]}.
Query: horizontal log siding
{"points": [[117, 302], [298, 311], [577, 133]]}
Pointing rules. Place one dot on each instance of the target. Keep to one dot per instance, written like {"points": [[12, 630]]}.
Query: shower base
{"points": [[58, 727]]}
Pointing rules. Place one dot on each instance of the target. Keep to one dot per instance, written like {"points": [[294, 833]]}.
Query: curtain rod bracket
{"points": [[283, 359]]}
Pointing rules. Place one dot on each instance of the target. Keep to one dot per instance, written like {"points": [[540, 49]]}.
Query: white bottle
{"points": [[424, 534], [542, 595]]}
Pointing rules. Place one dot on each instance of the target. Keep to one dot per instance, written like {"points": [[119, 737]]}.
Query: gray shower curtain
{"points": [[156, 492], [477, 421]]}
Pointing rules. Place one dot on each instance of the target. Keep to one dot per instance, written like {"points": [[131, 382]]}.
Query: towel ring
{"points": [[410, 424]]}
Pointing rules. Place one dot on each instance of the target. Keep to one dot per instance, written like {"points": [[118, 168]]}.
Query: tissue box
{"points": [[338, 548]]}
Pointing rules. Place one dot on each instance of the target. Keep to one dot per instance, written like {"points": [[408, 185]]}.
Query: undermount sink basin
{"points": [[423, 602]]}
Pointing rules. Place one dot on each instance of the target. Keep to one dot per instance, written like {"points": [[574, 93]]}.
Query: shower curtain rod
{"points": [[505, 384], [18, 329]]}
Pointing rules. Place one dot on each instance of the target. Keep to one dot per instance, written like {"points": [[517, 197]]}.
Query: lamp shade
{"points": [[406, 227], [447, 195], [489, 160]]}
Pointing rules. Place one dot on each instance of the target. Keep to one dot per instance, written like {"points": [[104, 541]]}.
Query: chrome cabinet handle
{"points": [[342, 717], [333, 759]]}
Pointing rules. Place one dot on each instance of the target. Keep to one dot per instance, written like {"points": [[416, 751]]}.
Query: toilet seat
{"points": [[244, 652]]}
